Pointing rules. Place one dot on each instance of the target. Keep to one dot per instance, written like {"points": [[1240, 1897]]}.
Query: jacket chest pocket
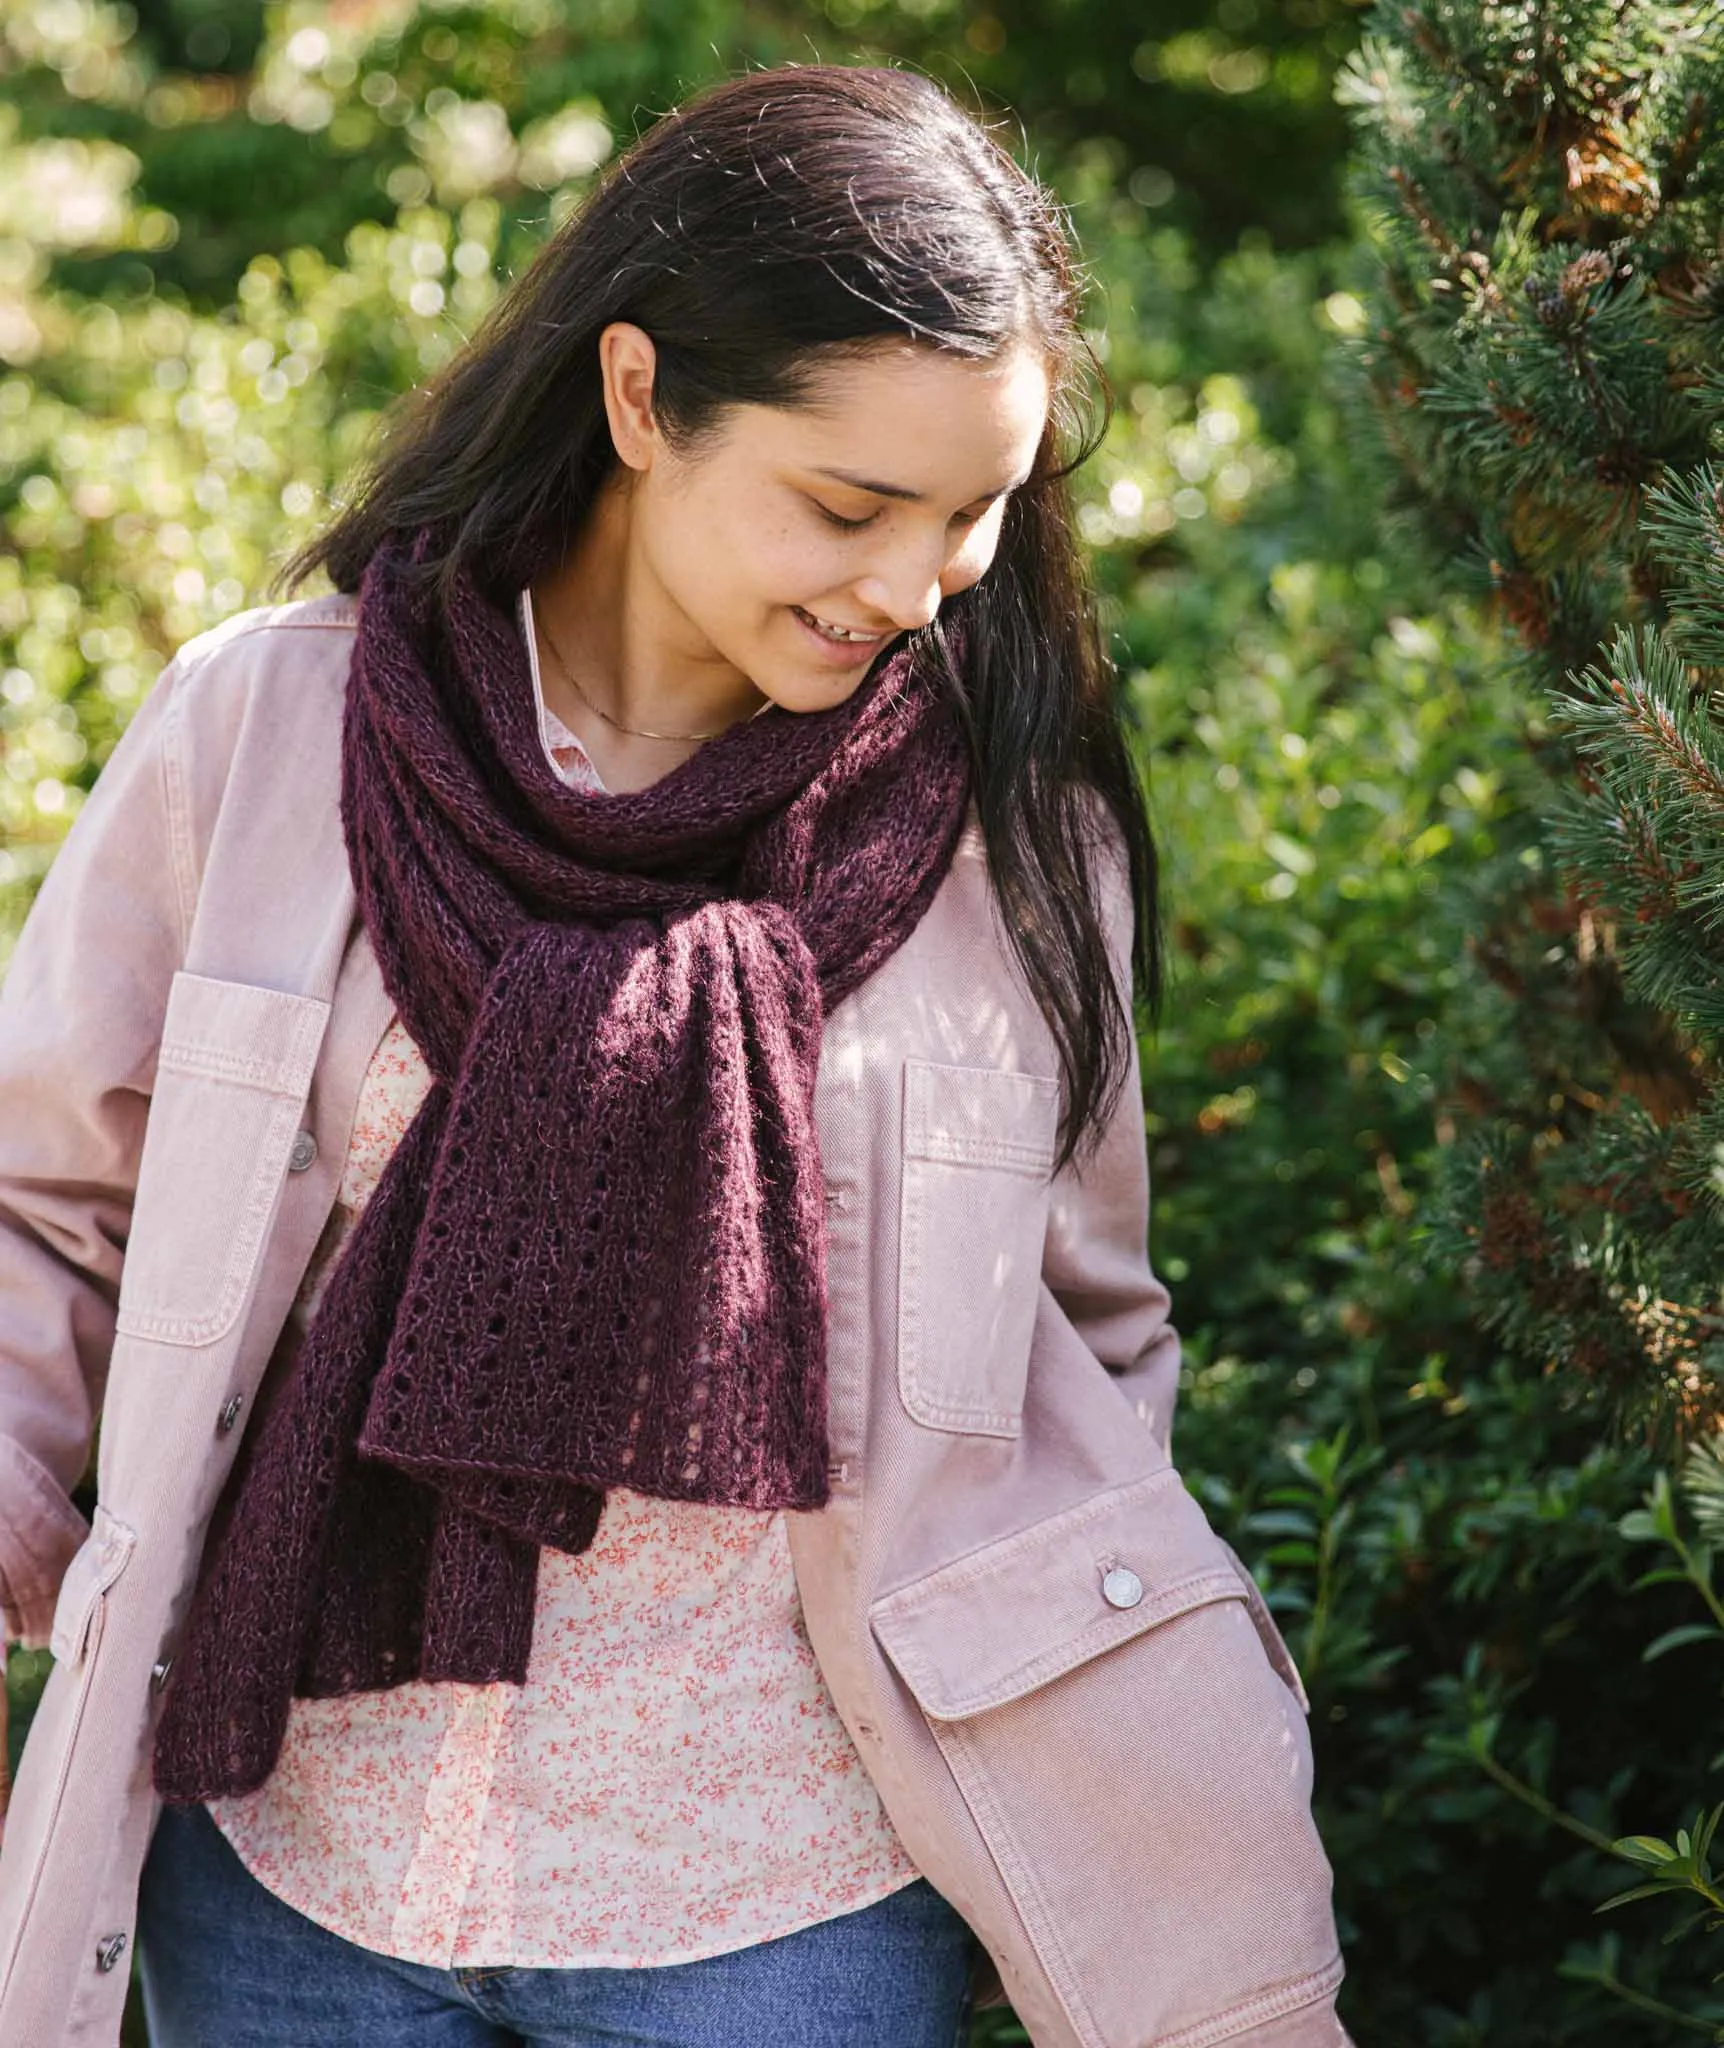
{"points": [[231, 1082], [978, 1153]]}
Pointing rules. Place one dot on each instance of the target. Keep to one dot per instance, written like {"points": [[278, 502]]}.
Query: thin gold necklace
{"points": [[639, 732]]}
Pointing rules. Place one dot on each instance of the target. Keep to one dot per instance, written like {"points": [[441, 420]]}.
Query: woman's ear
{"points": [[627, 360]]}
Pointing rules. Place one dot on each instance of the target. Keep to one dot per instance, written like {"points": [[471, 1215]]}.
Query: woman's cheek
{"points": [[976, 556], [970, 564], [801, 569]]}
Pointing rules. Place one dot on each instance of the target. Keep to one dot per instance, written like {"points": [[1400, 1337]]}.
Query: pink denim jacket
{"points": [[1077, 1711]]}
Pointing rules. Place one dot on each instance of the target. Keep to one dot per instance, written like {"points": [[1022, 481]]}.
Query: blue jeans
{"points": [[225, 1964]]}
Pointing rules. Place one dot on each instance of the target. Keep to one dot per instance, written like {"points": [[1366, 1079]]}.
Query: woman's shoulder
{"points": [[246, 722], [310, 636], [267, 683]]}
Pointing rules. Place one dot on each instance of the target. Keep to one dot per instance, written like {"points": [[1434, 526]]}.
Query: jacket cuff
{"points": [[39, 1532], [1310, 2026]]}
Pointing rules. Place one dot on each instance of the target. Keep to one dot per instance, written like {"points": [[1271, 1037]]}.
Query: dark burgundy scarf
{"points": [[597, 1256]]}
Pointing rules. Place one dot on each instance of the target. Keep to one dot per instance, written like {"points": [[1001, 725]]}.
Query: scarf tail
{"points": [[264, 1601]]}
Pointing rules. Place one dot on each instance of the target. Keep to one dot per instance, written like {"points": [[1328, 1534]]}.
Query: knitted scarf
{"points": [[596, 1257]]}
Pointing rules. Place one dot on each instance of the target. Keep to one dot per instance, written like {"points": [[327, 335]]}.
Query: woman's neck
{"points": [[619, 664]]}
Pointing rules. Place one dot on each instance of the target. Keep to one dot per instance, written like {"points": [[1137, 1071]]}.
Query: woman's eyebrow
{"points": [[902, 491], [862, 483]]}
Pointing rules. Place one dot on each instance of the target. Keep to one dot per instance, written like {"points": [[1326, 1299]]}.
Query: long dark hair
{"points": [[769, 223]]}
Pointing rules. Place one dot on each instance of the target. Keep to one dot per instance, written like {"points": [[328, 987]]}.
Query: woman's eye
{"points": [[836, 519]]}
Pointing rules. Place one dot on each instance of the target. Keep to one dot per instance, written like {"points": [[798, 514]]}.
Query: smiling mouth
{"points": [[840, 636]]}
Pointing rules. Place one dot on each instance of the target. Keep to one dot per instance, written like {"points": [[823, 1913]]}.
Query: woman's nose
{"points": [[909, 598]]}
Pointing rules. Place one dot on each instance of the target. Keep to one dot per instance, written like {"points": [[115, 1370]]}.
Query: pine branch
{"points": [[1650, 733], [1685, 527], [1544, 183]]}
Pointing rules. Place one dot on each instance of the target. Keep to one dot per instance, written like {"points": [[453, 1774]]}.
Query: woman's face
{"points": [[791, 544]]}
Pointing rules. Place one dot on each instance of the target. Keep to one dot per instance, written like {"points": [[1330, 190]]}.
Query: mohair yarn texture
{"points": [[597, 1256]]}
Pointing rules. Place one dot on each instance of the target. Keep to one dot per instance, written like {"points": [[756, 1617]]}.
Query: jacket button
{"points": [[159, 1673], [230, 1414], [1122, 1588], [303, 1153], [109, 1951]]}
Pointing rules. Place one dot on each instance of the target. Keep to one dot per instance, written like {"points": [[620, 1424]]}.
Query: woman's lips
{"points": [[841, 642]]}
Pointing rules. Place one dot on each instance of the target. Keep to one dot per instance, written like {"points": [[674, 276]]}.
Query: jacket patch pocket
{"points": [[978, 1153], [1139, 1772], [231, 1082]]}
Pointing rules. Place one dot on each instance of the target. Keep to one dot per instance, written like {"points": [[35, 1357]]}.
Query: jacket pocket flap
{"points": [[232, 1031], [93, 1570], [980, 1116], [996, 1624]]}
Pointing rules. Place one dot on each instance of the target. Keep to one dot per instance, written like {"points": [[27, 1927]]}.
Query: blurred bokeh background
{"points": [[231, 233]]}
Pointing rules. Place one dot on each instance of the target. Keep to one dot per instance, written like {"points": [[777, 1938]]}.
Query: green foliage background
{"points": [[229, 234]]}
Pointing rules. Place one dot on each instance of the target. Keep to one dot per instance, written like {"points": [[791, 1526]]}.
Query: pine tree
{"points": [[1542, 185]]}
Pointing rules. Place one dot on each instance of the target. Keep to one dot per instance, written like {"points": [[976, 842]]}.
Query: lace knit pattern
{"points": [[596, 1257]]}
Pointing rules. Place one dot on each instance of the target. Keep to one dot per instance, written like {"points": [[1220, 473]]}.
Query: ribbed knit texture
{"points": [[597, 1256]]}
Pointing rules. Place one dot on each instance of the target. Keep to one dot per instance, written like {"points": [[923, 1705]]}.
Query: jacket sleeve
{"points": [[81, 1011], [1096, 1257]]}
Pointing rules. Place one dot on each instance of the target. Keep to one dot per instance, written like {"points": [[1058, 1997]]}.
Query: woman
{"points": [[633, 1492]]}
